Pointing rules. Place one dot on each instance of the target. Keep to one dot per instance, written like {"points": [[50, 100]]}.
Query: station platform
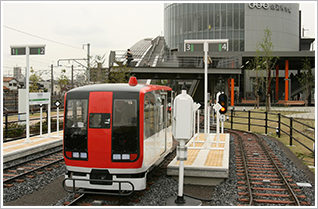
{"points": [[21, 148], [207, 162]]}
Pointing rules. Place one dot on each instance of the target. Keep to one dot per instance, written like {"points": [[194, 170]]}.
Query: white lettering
{"points": [[271, 6]]}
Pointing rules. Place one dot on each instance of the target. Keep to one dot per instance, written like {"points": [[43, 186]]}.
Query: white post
{"points": [[57, 120], [181, 168], [206, 48], [41, 121], [27, 53], [212, 116], [217, 128], [222, 128], [198, 136], [209, 115], [49, 119]]}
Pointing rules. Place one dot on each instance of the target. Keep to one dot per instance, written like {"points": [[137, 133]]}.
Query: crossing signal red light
{"points": [[223, 102]]}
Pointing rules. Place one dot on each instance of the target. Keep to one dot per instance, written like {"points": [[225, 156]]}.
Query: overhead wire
{"points": [[56, 42], [46, 39]]}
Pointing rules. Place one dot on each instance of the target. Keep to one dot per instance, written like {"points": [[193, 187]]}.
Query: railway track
{"points": [[262, 179], [30, 168]]}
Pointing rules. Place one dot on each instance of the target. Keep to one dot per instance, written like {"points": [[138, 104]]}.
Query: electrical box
{"points": [[183, 116]]}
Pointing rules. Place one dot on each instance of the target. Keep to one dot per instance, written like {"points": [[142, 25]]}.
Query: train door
{"points": [[100, 129]]}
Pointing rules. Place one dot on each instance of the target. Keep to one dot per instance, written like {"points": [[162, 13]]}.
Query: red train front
{"points": [[115, 133]]}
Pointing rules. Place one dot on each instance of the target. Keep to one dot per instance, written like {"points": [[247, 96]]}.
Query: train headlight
{"points": [[75, 154], [83, 155], [116, 157], [125, 156]]}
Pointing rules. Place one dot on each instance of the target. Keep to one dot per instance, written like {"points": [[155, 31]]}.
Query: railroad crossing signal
{"points": [[223, 102]]}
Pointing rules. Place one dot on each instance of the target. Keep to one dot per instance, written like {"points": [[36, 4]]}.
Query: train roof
{"points": [[119, 87]]}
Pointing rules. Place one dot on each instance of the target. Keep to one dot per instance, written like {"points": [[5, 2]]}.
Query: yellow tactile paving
{"points": [[222, 138], [197, 144], [192, 155], [201, 137], [215, 158], [220, 145]]}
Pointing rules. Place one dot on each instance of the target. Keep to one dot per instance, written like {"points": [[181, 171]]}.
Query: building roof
{"points": [[8, 79], [5, 88]]}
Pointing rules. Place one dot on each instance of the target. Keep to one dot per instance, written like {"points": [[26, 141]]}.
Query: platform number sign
{"points": [[22, 50], [213, 47]]}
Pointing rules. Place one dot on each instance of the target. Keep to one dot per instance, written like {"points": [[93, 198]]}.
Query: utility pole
{"points": [[52, 87], [72, 78], [88, 61], [75, 60]]}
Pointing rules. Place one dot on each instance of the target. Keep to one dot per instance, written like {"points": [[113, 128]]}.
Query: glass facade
{"points": [[204, 21]]}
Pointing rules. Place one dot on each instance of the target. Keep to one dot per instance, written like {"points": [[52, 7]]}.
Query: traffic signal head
{"points": [[223, 102]]}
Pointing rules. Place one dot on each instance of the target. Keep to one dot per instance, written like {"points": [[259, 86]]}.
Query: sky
{"points": [[67, 27]]}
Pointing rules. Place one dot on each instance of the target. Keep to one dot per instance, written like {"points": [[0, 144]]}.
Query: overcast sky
{"points": [[65, 27]]}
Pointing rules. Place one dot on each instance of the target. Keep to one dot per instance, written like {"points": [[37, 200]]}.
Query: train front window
{"points": [[125, 130], [125, 112], [76, 125]]}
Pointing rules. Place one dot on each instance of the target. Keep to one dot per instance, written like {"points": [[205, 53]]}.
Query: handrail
{"points": [[279, 129]]}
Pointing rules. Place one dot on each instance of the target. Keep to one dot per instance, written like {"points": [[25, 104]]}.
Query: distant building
{"points": [[17, 73], [11, 83]]}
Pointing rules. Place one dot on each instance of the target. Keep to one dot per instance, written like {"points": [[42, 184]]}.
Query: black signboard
{"points": [[213, 47], [33, 51], [18, 51]]}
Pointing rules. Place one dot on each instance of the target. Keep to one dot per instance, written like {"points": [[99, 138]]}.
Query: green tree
{"points": [[98, 73], [265, 61], [119, 73], [306, 79], [63, 81], [258, 79], [34, 79]]}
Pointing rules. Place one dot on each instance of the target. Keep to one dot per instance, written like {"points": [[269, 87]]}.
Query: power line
{"points": [[41, 37]]}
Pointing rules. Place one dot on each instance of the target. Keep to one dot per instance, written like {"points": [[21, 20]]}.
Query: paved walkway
{"points": [[300, 112]]}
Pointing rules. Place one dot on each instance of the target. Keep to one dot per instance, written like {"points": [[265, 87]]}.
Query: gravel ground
{"points": [[224, 194], [31, 185]]}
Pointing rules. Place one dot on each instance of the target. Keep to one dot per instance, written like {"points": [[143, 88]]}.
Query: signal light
{"points": [[223, 102]]}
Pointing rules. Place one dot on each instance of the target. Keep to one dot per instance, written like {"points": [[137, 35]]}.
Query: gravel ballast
{"points": [[224, 194]]}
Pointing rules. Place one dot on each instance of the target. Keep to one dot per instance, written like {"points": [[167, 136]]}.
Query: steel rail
{"points": [[290, 190], [27, 161], [33, 170], [245, 168]]}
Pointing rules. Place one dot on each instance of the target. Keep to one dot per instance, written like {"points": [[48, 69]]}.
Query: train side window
{"points": [[149, 120]]}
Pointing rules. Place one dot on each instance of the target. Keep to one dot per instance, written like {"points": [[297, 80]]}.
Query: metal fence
{"points": [[11, 101], [14, 127], [285, 125]]}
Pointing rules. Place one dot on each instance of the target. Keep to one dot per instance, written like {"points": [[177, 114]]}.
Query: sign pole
{"points": [[41, 120], [27, 50], [206, 48], [57, 120], [27, 53]]}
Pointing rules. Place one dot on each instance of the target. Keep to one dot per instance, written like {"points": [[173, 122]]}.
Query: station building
{"points": [[241, 26]]}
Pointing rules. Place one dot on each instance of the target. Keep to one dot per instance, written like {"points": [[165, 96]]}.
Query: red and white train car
{"points": [[114, 134]]}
